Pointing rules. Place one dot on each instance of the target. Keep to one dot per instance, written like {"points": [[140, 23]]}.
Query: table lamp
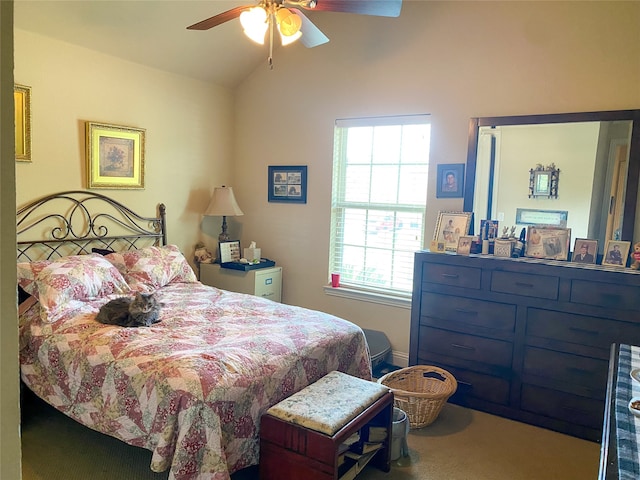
{"points": [[223, 204]]}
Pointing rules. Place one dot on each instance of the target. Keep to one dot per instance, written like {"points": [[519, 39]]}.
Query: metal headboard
{"points": [[74, 222]]}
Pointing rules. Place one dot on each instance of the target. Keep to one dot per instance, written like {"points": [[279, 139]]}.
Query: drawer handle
{"points": [[574, 409], [450, 275], [612, 297], [466, 384], [467, 312], [579, 371], [463, 347], [583, 330], [522, 284]]}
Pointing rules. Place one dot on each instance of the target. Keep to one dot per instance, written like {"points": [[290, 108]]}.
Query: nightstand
{"points": [[262, 282]]}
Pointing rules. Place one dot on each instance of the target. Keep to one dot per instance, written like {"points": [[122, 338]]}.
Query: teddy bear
{"points": [[636, 256], [202, 255]]}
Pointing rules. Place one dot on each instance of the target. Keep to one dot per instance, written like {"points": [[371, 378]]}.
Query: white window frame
{"points": [[350, 288]]}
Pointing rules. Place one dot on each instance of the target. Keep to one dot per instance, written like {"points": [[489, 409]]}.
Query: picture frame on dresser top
{"points": [[450, 227], [464, 245], [616, 253], [585, 250], [489, 229], [548, 242], [115, 156]]}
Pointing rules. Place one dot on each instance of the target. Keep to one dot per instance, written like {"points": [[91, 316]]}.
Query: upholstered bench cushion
{"points": [[330, 403]]}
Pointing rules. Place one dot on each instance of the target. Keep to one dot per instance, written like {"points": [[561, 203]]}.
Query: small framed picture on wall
{"points": [[450, 180], [288, 184]]}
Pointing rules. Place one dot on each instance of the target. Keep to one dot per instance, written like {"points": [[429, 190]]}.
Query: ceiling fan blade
{"points": [[381, 8], [311, 35], [219, 19]]}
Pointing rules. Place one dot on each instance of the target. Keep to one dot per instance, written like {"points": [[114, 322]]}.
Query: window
{"points": [[378, 203]]}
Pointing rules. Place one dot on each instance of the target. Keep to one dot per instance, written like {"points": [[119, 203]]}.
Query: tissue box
{"points": [[252, 254]]}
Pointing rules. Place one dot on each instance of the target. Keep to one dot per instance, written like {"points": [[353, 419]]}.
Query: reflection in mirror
{"points": [[598, 154]]}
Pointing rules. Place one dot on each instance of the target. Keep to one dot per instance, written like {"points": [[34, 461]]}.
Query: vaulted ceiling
{"points": [[153, 33]]}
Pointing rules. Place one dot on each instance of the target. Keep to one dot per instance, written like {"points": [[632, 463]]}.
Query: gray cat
{"points": [[143, 310]]}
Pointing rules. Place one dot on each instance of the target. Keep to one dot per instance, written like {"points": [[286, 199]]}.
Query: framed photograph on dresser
{"points": [[615, 253], [450, 227], [464, 244], [548, 242], [585, 250]]}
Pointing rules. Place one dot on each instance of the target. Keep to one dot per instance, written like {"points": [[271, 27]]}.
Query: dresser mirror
{"points": [[597, 154]]}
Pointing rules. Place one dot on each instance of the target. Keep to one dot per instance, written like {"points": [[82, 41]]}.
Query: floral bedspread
{"points": [[191, 388]]}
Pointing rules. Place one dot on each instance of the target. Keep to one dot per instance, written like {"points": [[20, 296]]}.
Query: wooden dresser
{"points": [[526, 339]]}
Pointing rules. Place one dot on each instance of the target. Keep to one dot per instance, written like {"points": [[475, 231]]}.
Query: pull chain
{"points": [[272, 20]]}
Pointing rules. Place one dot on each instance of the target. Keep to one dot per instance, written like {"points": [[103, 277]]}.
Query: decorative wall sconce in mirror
{"points": [[543, 181]]}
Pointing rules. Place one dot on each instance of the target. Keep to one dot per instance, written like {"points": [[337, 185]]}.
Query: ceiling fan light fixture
{"points": [[289, 23], [255, 23]]}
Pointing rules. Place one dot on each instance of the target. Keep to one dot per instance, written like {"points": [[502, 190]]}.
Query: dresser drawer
{"points": [[563, 406], [478, 385], [608, 295], [540, 286], [467, 347], [439, 310], [467, 277], [573, 373], [579, 329]]}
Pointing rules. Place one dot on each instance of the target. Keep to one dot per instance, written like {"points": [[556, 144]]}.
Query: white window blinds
{"points": [[378, 201]]}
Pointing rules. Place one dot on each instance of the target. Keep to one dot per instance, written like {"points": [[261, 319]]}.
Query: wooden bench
{"points": [[328, 430]]}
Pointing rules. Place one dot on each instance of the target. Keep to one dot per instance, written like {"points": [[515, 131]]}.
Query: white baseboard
{"points": [[400, 359]]}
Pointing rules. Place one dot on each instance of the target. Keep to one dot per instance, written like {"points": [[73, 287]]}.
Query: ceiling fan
{"points": [[286, 17]]}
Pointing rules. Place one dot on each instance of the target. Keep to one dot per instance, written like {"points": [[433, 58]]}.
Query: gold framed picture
{"points": [[115, 156], [450, 227], [22, 119]]}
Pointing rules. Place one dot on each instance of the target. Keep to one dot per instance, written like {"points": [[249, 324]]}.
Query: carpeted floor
{"points": [[462, 444]]}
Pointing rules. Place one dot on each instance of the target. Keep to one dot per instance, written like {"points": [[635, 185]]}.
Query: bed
{"points": [[191, 388]]}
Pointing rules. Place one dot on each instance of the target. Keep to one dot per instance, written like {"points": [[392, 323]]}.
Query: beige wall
{"points": [[188, 125], [453, 60]]}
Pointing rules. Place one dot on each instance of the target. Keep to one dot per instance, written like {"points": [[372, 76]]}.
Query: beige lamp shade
{"points": [[223, 203]]}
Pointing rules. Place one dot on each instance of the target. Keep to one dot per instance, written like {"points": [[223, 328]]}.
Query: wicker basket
{"points": [[421, 391]]}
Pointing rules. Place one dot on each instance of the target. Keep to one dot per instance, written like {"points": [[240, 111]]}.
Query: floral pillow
{"points": [[63, 284], [150, 268]]}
